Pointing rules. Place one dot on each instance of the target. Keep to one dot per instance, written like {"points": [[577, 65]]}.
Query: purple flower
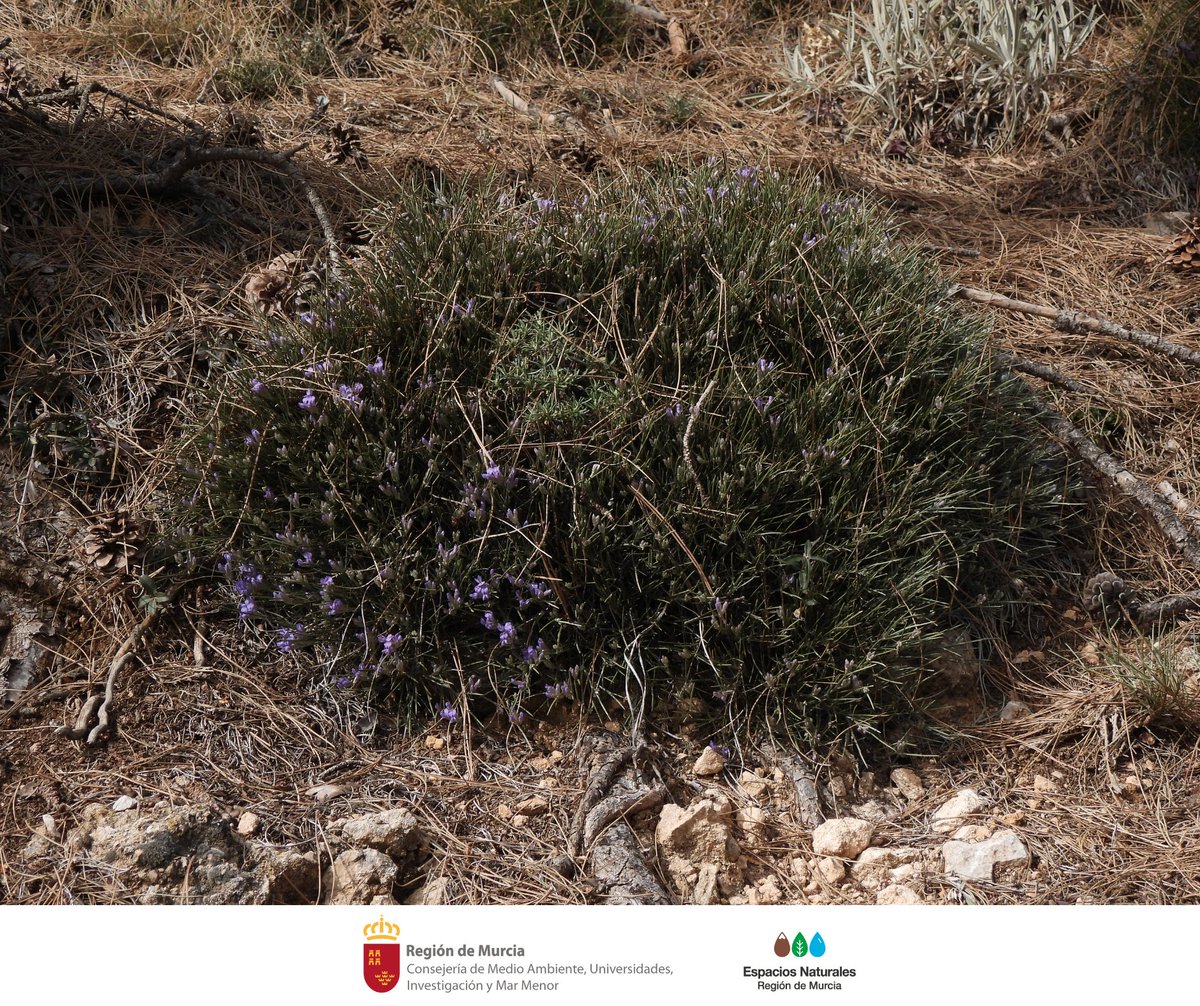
{"points": [[351, 394], [306, 558], [327, 580], [449, 713], [765, 365], [673, 411], [308, 317], [377, 367], [253, 438], [481, 591], [246, 608], [762, 404], [488, 621], [335, 606], [531, 654], [390, 641], [492, 473], [309, 402], [720, 607], [257, 386], [520, 684], [464, 310], [286, 638], [538, 589], [506, 633], [562, 689]]}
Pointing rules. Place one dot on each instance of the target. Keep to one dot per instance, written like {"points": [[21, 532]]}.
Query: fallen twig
{"points": [[515, 101], [1075, 322], [1048, 374], [97, 709], [159, 182], [1158, 509]]}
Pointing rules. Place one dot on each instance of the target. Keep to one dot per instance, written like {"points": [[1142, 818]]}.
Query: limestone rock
{"points": [[123, 803], [977, 860], [755, 824], [435, 892], [710, 762], [832, 871], [533, 806], [950, 815], [394, 832], [248, 824], [1014, 710], [883, 858], [291, 878], [972, 833], [695, 838], [897, 894], [361, 877], [909, 783], [844, 837]]}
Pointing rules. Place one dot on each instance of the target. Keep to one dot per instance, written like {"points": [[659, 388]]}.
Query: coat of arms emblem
{"points": [[381, 955]]}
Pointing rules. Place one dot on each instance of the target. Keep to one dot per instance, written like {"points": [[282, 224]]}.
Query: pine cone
{"points": [[1108, 595], [111, 542], [344, 144], [1183, 252]]}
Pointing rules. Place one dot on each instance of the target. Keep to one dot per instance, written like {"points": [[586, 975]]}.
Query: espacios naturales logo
{"points": [[799, 947]]}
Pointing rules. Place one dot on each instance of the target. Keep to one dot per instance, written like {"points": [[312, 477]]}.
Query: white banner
{"points": [[585, 955]]}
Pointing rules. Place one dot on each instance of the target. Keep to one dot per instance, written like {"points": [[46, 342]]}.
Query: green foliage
{"points": [[680, 111], [972, 72], [710, 431], [1157, 100], [1160, 679]]}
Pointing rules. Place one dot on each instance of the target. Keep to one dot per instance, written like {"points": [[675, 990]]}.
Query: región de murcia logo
{"points": [[381, 955]]}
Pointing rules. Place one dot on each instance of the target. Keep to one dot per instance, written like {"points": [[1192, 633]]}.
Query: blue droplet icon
{"points": [[816, 946]]}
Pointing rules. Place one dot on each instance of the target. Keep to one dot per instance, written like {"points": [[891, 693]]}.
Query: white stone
{"points": [[897, 894], [393, 832], [884, 858], [248, 824], [1013, 710], [360, 877], [754, 823], [533, 806], [950, 814], [710, 762], [977, 860], [972, 833], [123, 803], [832, 871], [909, 783], [844, 837], [432, 893]]}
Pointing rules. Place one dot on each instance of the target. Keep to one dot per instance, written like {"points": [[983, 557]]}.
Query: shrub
{"points": [[1158, 678], [709, 431], [1157, 100], [974, 72]]}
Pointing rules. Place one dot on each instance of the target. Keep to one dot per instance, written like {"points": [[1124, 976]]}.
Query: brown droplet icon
{"points": [[783, 946]]}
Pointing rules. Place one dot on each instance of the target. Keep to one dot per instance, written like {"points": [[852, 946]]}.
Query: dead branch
{"points": [[515, 101], [1077, 323], [1048, 374], [82, 92], [169, 178], [1157, 508], [677, 38], [99, 707]]}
